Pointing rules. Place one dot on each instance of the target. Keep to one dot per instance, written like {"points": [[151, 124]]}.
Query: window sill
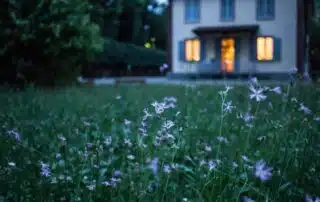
{"points": [[191, 21], [265, 18]]}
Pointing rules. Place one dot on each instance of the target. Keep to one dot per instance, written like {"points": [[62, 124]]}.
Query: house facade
{"points": [[238, 37]]}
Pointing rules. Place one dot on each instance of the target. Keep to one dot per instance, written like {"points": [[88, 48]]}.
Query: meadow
{"points": [[161, 143]]}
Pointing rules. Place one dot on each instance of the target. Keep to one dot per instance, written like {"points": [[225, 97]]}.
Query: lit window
{"points": [[265, 48], [192, 51]]}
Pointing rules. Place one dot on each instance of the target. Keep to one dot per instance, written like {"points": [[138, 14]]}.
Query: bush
{"points": [[46, 42], [117, 52]]}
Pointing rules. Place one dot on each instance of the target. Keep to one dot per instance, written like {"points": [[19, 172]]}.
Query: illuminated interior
{"points": [[192, 52], [227, 55], [265, 48]]}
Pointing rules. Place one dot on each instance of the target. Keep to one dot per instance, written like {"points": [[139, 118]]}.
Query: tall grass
{"points": [[161, 143]]}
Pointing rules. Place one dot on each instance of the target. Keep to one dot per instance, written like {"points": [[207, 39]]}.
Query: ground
{"points": [[161, 143]]}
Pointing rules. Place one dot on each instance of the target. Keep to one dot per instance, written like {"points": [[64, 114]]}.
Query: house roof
{"points": [[226, 29]]}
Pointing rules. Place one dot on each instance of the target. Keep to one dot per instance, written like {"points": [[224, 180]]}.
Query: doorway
{"points": [[228, 55]]}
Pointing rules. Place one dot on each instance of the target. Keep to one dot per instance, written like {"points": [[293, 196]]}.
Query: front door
{"points": [[228, 52]]}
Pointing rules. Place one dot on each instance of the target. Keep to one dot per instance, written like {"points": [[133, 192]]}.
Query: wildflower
{"points": [[106, 183], [185, 199], [234, 165], [146, 114], [130, 157], [45, 169], [276, 90], [309, 198], [108, 140], [167, 124], [127, 141], [305, 109], [202, 162], [262, 171], [54, 180], [154, 165], [146, 27], [163, 67], [69, 178], [247, 199], [166, 168], [58, 155], [118, 97], [254, 80], [91, 187], [317, 118], [116, 173], [212, 165], [257, 94], [208, 148], [222, 139], [245, 158], [227, 107], [12, 164], [15, 135], [246, 117], [127, 122], [62, 138], [159, 107]]}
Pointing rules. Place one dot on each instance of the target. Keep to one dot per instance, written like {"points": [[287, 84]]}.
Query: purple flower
{"points": [[247, 199], [15, 135], [154, 165], [309, 198], [117, 173], [45, 169], [257, 94], [262, 171]]}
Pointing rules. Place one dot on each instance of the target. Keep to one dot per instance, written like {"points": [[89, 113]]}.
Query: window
{"points": [[192, 50], [227, 9], [265, 48], [192, 11], [265, 9]]}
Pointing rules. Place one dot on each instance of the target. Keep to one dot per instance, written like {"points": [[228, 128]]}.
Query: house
{"points": [[266, 38]]}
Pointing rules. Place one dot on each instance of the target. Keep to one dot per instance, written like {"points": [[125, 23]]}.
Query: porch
{"points": [[227, 51]]}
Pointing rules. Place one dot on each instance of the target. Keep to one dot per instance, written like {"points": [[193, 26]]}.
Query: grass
{"points": [[98, 144]]}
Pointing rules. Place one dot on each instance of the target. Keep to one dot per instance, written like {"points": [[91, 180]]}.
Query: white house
{"points": [[238, 37]]}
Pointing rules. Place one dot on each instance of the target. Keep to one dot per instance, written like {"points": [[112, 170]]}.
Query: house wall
{"points": [[283, 26]]}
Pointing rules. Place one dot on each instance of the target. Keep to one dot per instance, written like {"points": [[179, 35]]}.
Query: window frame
{"points": [[262, 7], [187, 18], [185, 50], [273, 48]]}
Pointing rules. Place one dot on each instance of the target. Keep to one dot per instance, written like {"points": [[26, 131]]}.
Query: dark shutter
{"points": [[277, 49], [203, 50], [181, 49], [253, 48]]}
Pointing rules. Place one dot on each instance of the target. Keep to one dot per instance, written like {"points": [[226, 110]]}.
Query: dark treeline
{"points": [[52, 42]]}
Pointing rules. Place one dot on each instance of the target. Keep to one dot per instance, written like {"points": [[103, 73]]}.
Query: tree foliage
{"points": [[46, 41]]}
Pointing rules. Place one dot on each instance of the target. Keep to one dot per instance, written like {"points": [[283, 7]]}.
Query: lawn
{"points": [[161, 143]]}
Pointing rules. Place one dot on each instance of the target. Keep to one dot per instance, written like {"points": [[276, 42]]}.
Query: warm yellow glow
{"points": [[227, 55], [147, 45], [265, 48], [192, 52]]}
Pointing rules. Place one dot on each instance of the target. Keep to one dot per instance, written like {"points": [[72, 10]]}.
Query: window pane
{"points": [[269, 48], [196, 50], [260, 48], [188, 50]]}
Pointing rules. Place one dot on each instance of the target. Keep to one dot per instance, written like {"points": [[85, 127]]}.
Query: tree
{"points": [[46, 41]]}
